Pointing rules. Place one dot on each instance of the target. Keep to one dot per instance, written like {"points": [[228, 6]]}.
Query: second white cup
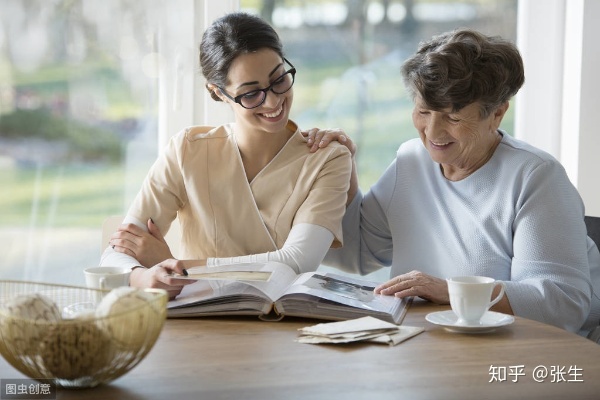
{"points": [[106, 277], [470, 297]]}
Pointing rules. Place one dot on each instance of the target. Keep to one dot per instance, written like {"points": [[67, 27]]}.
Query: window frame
{"points": [[561, 86], [555, 108]]}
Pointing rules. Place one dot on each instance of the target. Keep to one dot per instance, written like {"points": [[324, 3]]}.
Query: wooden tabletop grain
{"points": [[245, 358]]}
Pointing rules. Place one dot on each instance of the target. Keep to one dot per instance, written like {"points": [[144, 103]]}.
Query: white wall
{"points": [[181, 106], [214, 112], [581, 103], [556, 108]]}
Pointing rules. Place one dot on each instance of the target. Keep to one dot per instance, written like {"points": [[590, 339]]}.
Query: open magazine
{"points": [[273, 290]]}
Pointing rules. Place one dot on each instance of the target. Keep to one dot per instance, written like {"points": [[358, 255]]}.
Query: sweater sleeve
{"points": [[346, 258], [550, 275], [368, 242], [303, 250], [113, 258]]}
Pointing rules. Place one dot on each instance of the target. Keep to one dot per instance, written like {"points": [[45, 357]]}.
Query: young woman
{"points": [[243, 192]]}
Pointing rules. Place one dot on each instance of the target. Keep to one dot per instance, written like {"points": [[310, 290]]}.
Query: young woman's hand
{"points": [[319, 138], [160, 277], [149, 248]]}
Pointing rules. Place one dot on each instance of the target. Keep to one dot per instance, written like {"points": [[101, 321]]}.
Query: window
{"points": [[82, 87], [348, 55], [90, 90]]}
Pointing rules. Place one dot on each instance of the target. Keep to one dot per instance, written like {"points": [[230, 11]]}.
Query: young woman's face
{"points": [[254, 71]]}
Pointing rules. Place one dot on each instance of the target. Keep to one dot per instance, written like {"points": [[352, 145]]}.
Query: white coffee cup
{"points": [[470, 297], [106, 277]]}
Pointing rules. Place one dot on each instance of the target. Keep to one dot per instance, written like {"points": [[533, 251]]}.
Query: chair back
{"points": [[593, 228]]}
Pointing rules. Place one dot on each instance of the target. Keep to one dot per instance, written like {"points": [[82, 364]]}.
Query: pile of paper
{"points": [[361, 329]]}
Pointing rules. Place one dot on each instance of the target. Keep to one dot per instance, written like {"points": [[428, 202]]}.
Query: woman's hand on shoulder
{"points": [[416, 283], [319, 138]]}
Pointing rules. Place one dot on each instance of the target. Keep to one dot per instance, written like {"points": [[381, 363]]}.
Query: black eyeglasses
{"points": [[256, 98]]}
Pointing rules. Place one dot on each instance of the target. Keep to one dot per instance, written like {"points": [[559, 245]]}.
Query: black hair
{"points": [[230, 36]]}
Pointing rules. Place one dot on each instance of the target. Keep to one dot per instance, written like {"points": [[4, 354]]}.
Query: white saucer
{"points": [[489, 322]]}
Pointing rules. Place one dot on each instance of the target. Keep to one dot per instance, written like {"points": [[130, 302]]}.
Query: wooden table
{"points": [[245, 358]]}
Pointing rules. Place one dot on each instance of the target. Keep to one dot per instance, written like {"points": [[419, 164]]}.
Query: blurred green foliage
{"points": [[85, 142], [60, 196]]}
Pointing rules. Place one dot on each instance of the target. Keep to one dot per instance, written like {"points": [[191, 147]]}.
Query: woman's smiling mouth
{"points": [[274, 114], [440, 145]]}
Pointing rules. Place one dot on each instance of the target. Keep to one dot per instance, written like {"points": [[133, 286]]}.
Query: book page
{"points": [[216, 295], [332, 296], [234, 275]]}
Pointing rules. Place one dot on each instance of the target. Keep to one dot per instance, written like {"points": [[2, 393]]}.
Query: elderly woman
{"points": [[467, 198]]}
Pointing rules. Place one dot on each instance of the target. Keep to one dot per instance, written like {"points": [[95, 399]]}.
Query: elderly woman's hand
{"points": [[319, 138], [416, 283]]}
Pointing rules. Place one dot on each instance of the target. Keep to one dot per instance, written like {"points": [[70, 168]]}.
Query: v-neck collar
{"points": [[291, 125]]}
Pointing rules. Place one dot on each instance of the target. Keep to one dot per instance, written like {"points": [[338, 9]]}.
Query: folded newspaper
{"points": [[360, 329]]}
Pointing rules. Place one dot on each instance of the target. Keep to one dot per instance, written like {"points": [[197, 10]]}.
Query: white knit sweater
{"points": [[517, 219]]}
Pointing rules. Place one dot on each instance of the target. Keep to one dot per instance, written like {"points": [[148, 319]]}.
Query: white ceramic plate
{"points": [[489, 322]]}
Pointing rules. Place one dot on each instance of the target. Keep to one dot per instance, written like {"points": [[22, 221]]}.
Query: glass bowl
{"points": [[75, 336]]}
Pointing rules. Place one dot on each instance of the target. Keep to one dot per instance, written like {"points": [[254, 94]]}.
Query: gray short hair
{"points": [[464, 66]]}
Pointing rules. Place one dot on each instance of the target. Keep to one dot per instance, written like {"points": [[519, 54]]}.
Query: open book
{"points": [[273, 290]]}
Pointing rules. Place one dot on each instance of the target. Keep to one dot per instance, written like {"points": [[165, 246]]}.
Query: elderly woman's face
{"points": [[460, 141]]}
